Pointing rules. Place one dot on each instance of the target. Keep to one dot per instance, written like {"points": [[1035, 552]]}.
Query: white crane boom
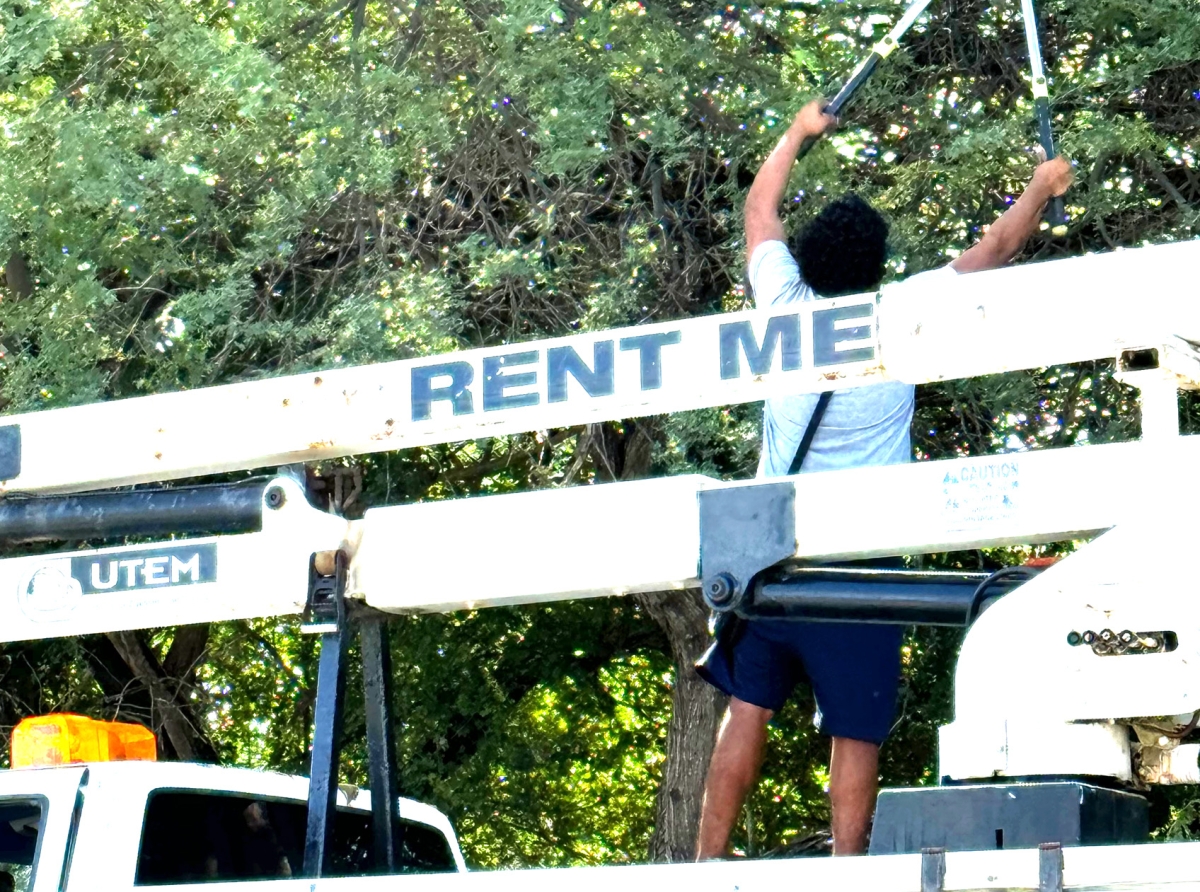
{"points": [[1096, 624], [1022, 317], [584, 541]]}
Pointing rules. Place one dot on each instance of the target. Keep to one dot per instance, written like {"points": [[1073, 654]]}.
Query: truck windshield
{"points": [[191, 837], [20, 822]]}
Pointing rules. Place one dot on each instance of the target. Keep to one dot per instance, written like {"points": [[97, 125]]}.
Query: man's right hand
{"points": [[812, 121], [1054, 176], [762, 204]]}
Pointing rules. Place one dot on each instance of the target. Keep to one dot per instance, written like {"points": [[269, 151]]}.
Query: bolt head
{"points": [[275, 497], [720, 589]]}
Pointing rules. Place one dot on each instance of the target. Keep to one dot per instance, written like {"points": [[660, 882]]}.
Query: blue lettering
{"points": [[650, 347], [596, 381], [496, 381], [781, 330], [826, 337], [424, 393]]}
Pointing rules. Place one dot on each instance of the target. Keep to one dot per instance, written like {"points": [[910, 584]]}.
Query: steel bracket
{"points": [[743, 531], [1050, 867], [325, 608], [933, 870]]}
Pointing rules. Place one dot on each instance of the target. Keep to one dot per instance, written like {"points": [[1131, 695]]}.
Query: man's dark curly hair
{"points": [[842, 251]]}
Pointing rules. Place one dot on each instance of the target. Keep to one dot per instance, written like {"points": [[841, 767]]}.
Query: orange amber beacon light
{"points": [[63, 738]]}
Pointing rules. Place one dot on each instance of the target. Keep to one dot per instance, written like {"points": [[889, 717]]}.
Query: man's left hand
{"points": [[1054, 176]]}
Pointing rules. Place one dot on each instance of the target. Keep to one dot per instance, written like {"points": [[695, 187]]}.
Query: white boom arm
{"points": [[1022, 317], [651, 535], [561, 544], [645, 536], [170, 583]]}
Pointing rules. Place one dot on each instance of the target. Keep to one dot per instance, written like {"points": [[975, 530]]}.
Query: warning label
{"points": [[981, 493]]}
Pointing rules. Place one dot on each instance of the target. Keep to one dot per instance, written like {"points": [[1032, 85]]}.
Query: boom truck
{"points": [[1076, 688]]}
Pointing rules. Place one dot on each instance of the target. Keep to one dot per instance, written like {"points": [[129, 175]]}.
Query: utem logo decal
{"points": [[59, 586]]}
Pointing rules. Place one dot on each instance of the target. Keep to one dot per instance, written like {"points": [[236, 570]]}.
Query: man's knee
{"points": [[747, 714], [740, 740], [854, 767]]}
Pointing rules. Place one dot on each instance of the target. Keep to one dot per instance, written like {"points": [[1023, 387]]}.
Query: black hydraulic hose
{"points": [[999, 583]]}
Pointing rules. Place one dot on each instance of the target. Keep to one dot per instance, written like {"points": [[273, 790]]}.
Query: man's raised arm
{"points": [[1007, 236], [762, 203]]}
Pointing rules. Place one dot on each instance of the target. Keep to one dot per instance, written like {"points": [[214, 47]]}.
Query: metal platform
{"points": [[991, 817]]}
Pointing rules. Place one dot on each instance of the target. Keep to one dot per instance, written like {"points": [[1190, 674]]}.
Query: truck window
{"points": [[20, 821], [191, 837]]}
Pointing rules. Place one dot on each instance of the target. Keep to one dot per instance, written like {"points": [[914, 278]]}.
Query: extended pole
{"points": [[1041, 106], [880, 51], [866, 67]]}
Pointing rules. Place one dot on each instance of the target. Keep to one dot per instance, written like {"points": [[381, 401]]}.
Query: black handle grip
{"points": [[844, 95], [1057, 217], [805, 148], [1056, 213]]}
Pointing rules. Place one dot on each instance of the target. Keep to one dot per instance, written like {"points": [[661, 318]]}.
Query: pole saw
{"points": [[866, 67], [1057, 216]]}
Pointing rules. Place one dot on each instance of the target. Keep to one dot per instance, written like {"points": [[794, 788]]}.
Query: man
{"points": [[854, 669]]}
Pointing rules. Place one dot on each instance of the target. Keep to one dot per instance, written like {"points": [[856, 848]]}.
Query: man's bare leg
{"points": [[853, 786], [733, 770]]}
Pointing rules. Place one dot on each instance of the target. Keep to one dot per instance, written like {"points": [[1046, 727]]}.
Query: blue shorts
{"points": [[854, 670]]}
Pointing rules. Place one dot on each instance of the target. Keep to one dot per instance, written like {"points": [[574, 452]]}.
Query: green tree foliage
{"points": [[212, 190]]}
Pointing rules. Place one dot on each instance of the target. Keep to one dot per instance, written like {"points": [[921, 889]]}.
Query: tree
{"points": [[210, 192]]}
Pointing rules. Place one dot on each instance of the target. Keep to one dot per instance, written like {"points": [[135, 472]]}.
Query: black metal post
{"points": [[326, 612], [381, 745]]}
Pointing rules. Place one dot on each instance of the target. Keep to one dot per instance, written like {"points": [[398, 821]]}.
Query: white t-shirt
{"points": [[861, 427]]}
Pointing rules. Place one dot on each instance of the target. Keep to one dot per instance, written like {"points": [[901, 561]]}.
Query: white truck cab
{"points": [[121, 825]]}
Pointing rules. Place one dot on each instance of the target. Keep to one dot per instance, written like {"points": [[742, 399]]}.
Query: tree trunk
{"points": [[696, 711], [696, 707], [16, 275], [172, 713]]}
